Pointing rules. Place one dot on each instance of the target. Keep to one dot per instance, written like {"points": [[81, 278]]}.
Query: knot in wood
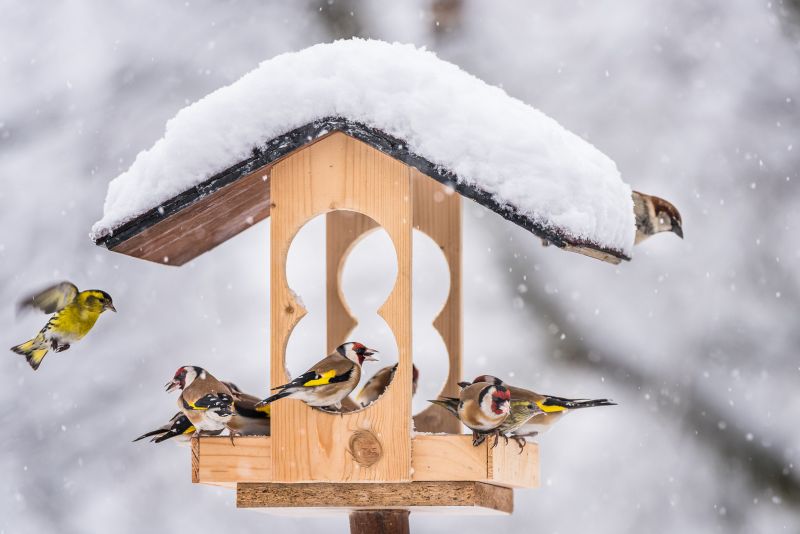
{"points": [[365, 448]]}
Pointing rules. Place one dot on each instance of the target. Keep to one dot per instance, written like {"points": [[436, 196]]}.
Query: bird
{"points": [[74, 314], [520, 411], [378, 383], [654, 215], [330, 380], [247, 419], [204, 400], [178, 427], [483, 407], [551, 408]]}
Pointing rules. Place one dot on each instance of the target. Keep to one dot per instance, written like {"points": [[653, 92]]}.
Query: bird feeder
{"points": [[383, 457]]}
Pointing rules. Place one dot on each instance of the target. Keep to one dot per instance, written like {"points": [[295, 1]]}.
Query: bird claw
{"points": [[477, 439], [521, 442]]}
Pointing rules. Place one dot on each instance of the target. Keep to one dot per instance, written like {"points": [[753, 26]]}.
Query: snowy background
{"points": [[697, 340]]}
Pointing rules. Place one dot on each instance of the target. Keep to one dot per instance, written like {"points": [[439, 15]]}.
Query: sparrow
{"points": [[378, 383], [330, 380], [551, 408], [204, 400], [654, 215], [483, 407], [178, 427], [74, 314]]}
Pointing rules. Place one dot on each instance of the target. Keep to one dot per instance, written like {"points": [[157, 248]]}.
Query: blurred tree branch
{"points": [[763, 467]]}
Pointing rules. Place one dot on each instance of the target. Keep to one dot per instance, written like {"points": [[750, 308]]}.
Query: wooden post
{"points": [[379, 522]]}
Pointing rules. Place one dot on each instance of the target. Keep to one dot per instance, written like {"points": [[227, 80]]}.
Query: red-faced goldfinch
{"points": [[206, 402], [654, 215], [378, 383], [74, 314], [328, 382], [483, 407], [551, 408], [178, 427]]}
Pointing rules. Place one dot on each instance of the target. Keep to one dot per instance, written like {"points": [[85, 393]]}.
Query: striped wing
{"points": [[52, 299]]}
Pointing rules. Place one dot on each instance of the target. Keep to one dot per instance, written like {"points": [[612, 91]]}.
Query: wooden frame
{"points": [[222, 461]]}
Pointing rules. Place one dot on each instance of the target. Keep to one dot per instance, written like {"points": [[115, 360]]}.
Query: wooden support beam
{"points": [[379, 522], [413, 496]]}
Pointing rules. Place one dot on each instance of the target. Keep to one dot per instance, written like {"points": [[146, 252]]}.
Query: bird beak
{"points": [[172, 385], [368, 355], [678, 230], [111, 307]]}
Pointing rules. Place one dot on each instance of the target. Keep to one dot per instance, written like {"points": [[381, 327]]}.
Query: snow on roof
{"points": [[524, 159]]}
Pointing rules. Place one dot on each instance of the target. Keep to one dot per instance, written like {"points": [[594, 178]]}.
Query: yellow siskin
{"points": [[74, 314]]}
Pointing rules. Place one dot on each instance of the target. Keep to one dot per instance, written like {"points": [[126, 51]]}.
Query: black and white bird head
{"points": [[184, 376], [357, 352]]}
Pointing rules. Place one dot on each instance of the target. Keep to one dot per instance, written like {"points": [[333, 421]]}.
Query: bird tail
{"points": [[157, 432], [448, 403], [34, 350], [272, 398], [574, 404]]}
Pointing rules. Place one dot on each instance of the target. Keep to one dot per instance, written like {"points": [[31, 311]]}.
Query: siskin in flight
{"points": [[74, 314], [330, 380]]}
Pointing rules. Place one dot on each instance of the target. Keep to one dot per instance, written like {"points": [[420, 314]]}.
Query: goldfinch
{"points": [[551, 409], [483, 407], [520, 411], [654, 215], [247, 420], [378, 383], [74, 314], [178, 427], [204, 400], [330, 380]]}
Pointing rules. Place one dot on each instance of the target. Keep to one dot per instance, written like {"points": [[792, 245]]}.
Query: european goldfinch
{"points": [[483, 407], [75, 313], [330, 380], [178, 427], [654, 215], [552, 409], [204, 400], [378, 383], [247, 420]]}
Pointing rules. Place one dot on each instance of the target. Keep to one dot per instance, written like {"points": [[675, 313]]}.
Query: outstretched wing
{"points": [[52, 299]]}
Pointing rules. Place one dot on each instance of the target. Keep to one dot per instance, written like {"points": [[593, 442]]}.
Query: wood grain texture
{"points": [[375, 496], [210, 221], [340, 173], [379, 522], [437, 213], [434, 458], [343, 229]]}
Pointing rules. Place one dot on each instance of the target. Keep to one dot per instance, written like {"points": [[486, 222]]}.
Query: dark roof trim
{"points": [[282, 146]]}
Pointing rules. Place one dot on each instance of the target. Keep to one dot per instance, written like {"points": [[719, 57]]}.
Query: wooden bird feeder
{"points": [[372, 459]]}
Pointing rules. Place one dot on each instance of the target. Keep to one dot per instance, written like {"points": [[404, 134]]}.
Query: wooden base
{"points": [[462, 497], [434, 458]]}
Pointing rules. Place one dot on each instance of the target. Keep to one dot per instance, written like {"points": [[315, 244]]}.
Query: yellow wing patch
{"points": [[550, 409], [263, 409], [325, 378]]}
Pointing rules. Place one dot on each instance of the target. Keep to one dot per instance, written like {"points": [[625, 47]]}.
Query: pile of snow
{"points": [[488, 139]]}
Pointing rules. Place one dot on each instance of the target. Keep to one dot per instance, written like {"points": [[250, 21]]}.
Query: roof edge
{"points": [[283, 145]]}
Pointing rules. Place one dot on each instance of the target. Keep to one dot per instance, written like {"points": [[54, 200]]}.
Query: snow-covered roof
{"points": [[515, 159]]}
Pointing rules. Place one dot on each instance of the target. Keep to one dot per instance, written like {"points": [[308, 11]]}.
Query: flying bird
{"points": [[378, 383], [330, 380], [74, 314], [654, 215]]}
